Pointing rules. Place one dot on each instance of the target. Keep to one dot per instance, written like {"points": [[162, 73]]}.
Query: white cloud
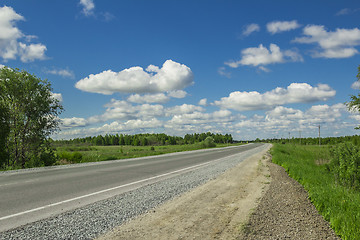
{"points": [[347, 11], [356, 85], [199, 118], [10, 36], [338, 44], [282, 26], [88, 7], [57, 96], [294, 93], [281, 121], [222, 71], [172, 76], [203, 102], [177, 94], [258, 56], [62, 72], [73, 122], [149, 98], [156, 98], [122, 110], [183, 109], [31, 52], [249, 29]]}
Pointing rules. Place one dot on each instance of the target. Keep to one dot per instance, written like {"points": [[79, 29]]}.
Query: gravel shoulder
{"points": [[254, 200], [285, 212]]}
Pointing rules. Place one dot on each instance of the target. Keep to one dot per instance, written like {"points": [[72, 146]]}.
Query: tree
{"points": [[354, 104], [31, 113], [4, 133]]}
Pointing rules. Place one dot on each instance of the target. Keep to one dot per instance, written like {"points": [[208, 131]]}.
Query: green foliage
{"points": [[345, 165], [73, 157], [4, 133], [30, 112], [339, 205], [354, 104], [208, 143]]}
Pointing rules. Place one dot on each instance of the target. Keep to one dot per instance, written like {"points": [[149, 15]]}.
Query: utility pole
{"points": [[319, 136], [300, 136]]}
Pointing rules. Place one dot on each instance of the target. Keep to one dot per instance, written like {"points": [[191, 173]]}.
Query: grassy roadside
{"points": [[77, 154], [308, 165]]}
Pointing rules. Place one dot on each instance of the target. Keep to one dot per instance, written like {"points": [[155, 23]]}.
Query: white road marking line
{"points": [[102, 191]]}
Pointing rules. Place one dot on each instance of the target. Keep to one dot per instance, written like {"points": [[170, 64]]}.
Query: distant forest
{"points": [[148, 139], [355, 139]]}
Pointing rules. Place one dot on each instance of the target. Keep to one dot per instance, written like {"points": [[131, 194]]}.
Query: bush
{"points": [[345, 165], [74, 157], [208, 143]]}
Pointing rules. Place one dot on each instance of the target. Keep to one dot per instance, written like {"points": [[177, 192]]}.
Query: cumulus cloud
{"points": [[11, 46], [156, 98], [184, 109], [62, 72], [73, 122], [259, 56], [337, 44], [149, 98], [198, 118], [279, 121], [249, 29], [172, 76], [134, 124], [282, 26], [122, 110], [88, 7], [294, 93], [177, 94], [203, 102]]}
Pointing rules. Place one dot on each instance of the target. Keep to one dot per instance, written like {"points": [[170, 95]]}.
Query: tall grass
{"points": [[72, 154], [309, 166]]}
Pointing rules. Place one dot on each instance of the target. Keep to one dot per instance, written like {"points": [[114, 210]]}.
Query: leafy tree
{"points": [[354, 104], [4, 133], [31, 113]]}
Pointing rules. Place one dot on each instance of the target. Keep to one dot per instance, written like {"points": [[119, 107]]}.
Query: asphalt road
{"points": [[30, 195]]}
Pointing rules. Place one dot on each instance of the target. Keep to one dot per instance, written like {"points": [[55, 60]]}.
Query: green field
{"points": [[311, 167], [77, 154]]}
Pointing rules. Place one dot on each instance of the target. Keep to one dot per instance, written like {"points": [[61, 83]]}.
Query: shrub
{"points": [[74, 157], [208, 143], [345, 165]]}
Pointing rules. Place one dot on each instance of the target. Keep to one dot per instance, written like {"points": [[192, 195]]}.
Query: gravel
{"points": [[285, 212], [95, 219]]}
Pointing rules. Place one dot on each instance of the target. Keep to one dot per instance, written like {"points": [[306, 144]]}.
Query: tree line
{"points": [[148, 139], [355, 139]]}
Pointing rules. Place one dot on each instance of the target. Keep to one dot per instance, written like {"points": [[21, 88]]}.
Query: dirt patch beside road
{"points": [[215, 210]]}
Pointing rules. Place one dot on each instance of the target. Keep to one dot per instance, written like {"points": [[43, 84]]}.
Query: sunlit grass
{"points": [[103, 153], [338, 205]]}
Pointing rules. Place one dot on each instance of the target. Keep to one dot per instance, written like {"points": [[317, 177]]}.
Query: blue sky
{"points": [[253, 69]]}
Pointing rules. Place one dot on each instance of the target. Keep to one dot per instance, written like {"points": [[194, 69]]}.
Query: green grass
{"points": [[104, 153], [337, 204]]}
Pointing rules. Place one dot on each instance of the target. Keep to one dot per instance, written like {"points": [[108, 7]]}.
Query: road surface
{"points": [[31, 195]]}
